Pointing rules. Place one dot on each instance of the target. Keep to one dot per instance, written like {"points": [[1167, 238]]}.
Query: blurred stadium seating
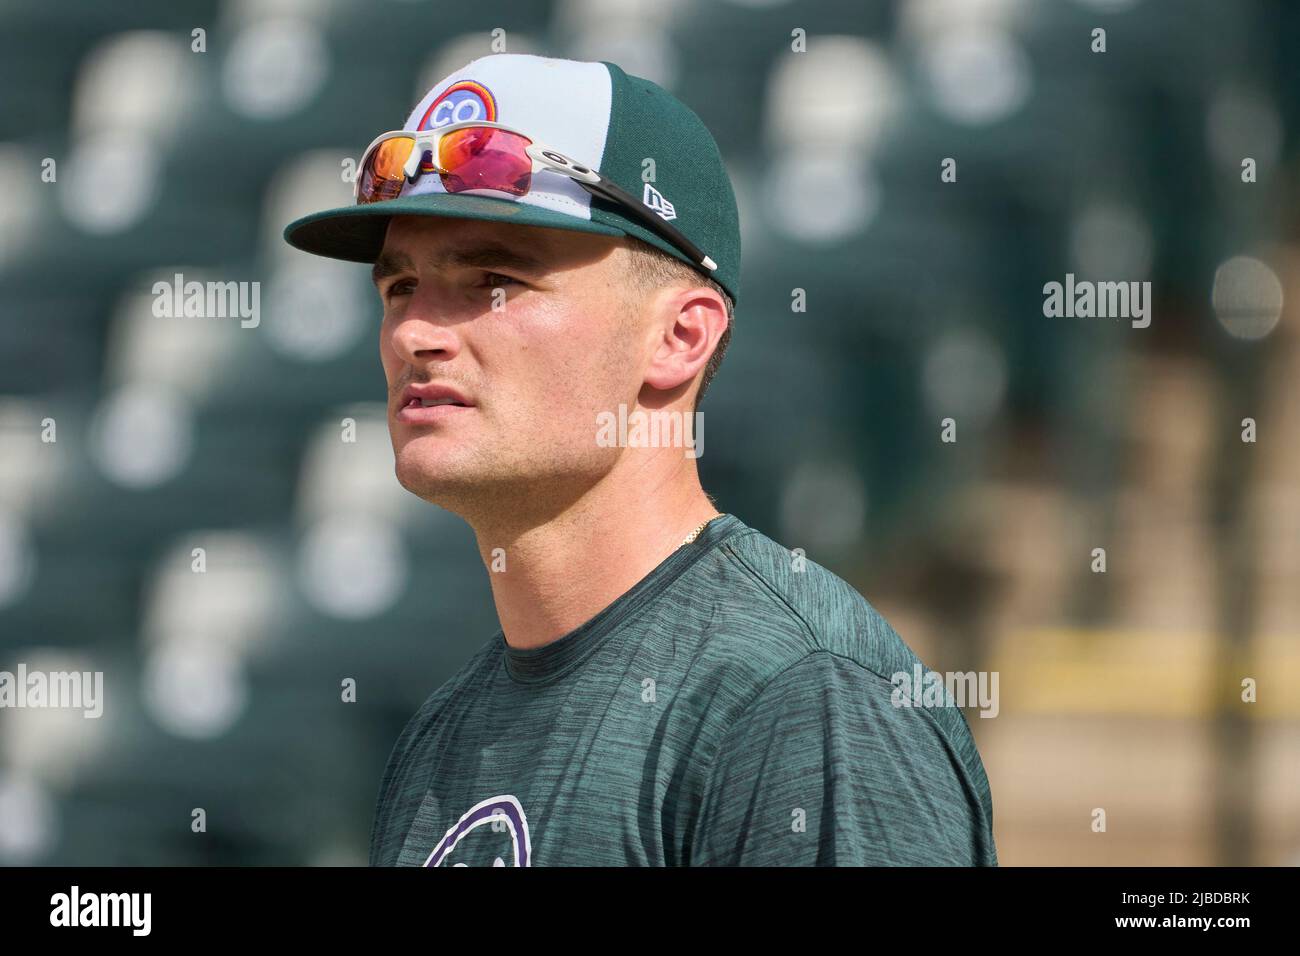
{"points": [[924, 300]]}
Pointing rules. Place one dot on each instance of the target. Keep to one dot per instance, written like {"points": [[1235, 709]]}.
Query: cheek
{"points": [[575, 362], [387, 354]]}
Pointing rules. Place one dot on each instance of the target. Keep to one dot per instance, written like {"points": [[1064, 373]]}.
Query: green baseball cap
{"points": [[630, 130]]}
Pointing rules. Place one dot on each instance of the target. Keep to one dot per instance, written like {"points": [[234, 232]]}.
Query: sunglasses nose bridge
{"points": [[421, 148]]}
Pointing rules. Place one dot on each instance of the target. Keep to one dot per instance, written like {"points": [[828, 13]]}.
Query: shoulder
{"points": [[790, 636], [425, 720], [464, 681], [405, 776], [777, 608]]}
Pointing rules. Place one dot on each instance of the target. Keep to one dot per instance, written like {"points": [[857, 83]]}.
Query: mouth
{"points": [[433, 403], [430, 404]]}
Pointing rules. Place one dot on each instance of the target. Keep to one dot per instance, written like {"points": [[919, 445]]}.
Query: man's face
{"points": [[530, 331]]}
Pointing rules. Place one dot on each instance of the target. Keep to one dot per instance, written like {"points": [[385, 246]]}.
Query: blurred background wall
{"points": [[1119, 690]]}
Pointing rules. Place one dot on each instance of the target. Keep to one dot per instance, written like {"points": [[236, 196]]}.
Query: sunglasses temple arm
{"points": [[607, 190]]}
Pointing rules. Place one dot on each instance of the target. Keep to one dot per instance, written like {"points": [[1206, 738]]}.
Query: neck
{"points": [[557, 570]]}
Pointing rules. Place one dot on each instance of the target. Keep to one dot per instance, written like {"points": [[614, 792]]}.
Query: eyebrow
{"points": [[482, 255]]}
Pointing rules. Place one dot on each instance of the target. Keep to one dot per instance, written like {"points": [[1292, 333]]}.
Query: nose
{"points": [[423, 334]]}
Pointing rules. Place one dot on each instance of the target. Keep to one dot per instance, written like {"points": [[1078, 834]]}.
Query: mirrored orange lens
{"points": [[382, 174], [482, 157]]}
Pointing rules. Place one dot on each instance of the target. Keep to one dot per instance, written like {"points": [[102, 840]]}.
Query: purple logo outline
{"points": [[504, 806]]}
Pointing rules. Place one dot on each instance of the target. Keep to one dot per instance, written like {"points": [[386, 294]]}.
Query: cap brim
{"points": [[356, 233]]}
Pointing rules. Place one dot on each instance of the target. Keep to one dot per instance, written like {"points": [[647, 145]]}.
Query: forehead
{"points": [[410, 231], [438, 242], [422, 236]]}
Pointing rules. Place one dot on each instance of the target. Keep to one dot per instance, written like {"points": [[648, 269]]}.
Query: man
{"points": [[556, 244]]}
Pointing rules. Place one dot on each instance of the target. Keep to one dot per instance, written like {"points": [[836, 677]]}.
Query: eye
{"points": [[496, 280], [400, 287]]}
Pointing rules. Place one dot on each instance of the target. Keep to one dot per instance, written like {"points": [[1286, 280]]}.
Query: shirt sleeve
{"points": [[822, 769]]}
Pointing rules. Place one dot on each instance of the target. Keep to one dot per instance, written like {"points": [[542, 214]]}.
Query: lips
{"points": [[430, 403]]}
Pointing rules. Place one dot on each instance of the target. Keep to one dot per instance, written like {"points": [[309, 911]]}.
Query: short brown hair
{"points": [[651, 268]]}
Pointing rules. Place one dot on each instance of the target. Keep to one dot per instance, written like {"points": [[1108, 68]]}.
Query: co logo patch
{"points": [[460, 103]]}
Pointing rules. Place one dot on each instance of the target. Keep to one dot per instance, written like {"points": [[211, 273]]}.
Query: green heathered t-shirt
{"points": [[735, 707]]}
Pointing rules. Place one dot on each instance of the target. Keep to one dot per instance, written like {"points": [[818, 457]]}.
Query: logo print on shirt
{"points": [[504, 808]]}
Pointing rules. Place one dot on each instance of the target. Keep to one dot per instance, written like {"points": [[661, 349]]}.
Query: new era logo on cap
{"points": [[655, 200]]}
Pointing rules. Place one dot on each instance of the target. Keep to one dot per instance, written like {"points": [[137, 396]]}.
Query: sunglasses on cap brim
{"points": [[479, 156]]}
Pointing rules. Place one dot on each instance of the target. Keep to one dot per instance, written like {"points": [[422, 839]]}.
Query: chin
{"points": [[465, 479], [430, 473]]}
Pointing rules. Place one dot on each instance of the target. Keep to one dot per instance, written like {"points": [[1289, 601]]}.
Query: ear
{"points": [[687, 324]]}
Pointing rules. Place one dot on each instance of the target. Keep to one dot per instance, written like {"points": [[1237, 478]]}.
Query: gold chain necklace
{"points": [[695, 534]]}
